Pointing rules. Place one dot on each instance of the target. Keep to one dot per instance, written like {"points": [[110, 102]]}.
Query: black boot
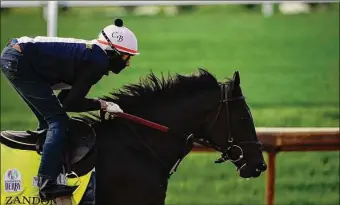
{"points": [[50, 189]]}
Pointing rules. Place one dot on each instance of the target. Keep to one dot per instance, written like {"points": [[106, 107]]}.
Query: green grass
{"points": [[302, 178], [289, 67]]}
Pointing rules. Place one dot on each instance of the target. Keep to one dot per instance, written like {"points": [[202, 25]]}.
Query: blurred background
{"points": [[288, 57]]}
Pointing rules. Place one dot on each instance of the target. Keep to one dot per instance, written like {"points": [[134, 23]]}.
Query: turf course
{"points": [[289, 67]]}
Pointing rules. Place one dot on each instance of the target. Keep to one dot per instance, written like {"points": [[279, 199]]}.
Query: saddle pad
{"points": [[19, 182]]}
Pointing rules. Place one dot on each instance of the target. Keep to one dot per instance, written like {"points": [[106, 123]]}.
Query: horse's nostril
{"points": [[263, 167]]}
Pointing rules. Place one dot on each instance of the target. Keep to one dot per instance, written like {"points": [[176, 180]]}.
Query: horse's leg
{"points": [[139, 194], [127, 189], [105, 191], [124, 179]]}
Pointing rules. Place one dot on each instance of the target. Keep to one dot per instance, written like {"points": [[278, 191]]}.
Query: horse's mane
{"points": [[152, 89]]}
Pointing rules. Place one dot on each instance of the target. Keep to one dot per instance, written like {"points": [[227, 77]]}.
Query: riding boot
{"points": [[49, 189]]}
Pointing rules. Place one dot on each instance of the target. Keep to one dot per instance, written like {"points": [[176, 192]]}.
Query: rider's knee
{"points": [[57, 122]]}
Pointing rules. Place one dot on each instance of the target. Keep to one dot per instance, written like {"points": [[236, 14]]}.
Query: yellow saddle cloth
{"points": [[19, 170]]}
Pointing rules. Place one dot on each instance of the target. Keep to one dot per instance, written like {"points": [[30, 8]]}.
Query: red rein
{"points": [[143, 121]]}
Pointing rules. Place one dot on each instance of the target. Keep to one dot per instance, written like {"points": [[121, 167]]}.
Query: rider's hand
{"points": [[113, 108], [103, 104], [110, 107]]}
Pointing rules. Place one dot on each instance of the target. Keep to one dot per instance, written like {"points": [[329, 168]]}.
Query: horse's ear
{"points": [[236, 78]]}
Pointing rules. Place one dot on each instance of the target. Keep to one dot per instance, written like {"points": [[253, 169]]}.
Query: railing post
{"points": [[52, 18], [270, 186]]}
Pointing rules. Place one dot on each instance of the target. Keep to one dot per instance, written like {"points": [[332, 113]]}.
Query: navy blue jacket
{"points": [[67, 64]]}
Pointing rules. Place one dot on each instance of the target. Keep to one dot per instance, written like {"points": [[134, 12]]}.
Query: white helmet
{"points": [[121, 37]]}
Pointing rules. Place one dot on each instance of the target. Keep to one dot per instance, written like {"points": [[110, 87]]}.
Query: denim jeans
{"points": [[44, 104]]}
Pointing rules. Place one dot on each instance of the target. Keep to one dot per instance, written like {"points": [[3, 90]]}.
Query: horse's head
{"points": [[230, 129], [199, 108]]}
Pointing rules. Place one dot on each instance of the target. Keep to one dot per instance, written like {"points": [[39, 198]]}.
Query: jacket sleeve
{"points": [[74, 100]]}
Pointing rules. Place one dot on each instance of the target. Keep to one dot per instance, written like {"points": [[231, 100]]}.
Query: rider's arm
{"points": [[82, 105], [75, 100]]}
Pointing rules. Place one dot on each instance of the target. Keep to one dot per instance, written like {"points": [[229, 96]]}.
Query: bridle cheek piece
{"points": [[226, 154]]}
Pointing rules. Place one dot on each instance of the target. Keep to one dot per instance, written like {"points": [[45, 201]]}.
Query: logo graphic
{"points": [[13, 181], [119, 38], [28, 200]]}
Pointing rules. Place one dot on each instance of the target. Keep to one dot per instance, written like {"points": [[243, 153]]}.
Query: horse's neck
{"points": [[181, 117]]}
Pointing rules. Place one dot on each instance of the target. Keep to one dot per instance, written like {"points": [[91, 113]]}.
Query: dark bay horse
{"points": [[134, 161]]}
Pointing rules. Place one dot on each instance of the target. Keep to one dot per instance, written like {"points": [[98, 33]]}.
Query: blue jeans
{"points": [[44, 104]]}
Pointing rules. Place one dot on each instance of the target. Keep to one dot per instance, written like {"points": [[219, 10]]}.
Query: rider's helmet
{"points": [[118, 42], [118, 37]]}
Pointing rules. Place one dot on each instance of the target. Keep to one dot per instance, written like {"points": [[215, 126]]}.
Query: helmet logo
{"points": [[119, 38]]}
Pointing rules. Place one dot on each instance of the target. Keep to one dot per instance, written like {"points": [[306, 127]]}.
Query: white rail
{"points": [[52, 6]]}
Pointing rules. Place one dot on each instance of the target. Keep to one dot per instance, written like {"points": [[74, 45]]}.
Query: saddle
{"points": [[79, 155]]}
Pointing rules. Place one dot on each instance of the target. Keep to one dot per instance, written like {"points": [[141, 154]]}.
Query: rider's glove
{"points": [[113, 108]]}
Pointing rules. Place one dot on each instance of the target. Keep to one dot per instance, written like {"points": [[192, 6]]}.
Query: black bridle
{"points": [[231, 145], [191, 138], [223, 104]]}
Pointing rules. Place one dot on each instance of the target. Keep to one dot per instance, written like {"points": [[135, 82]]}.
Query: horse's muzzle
{"points": [[253, 170]]}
